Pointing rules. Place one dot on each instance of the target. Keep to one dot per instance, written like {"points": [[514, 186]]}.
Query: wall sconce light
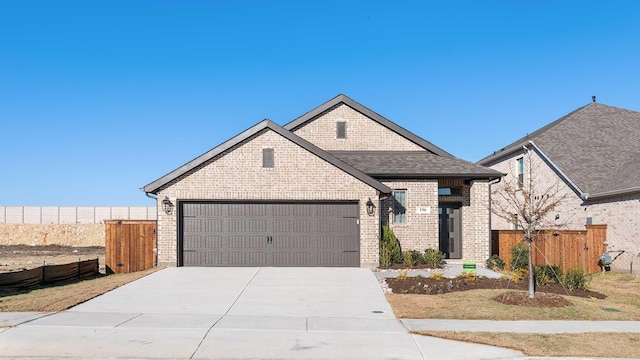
{"points": [[370, 207], [167, 205]]}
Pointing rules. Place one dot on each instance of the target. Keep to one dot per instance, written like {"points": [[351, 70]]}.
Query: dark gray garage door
{"points": [[270, 234]]}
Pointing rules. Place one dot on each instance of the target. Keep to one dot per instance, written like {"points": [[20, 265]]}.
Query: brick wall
{"points": [[362, 132], [621, 214], [297, 175], [476, 230], [420, 230]]}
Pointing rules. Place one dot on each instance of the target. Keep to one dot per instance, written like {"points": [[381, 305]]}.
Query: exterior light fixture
{"points": [[167, 205], [370, 207]]}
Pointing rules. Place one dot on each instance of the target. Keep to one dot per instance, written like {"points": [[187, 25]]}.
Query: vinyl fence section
{"points": [[572, 248], [74, 214], [48, 274], [130, 245]]}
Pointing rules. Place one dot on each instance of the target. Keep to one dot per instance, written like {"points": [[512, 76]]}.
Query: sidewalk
{"points": [[523, 326]]}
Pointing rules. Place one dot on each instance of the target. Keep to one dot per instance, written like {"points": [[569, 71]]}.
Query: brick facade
{"points": [[420, 230], [297, 175], [621, 214], [362, 133], [237, 174]]}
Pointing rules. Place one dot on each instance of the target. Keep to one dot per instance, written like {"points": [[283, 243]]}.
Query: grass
{"points": [[610, 345], [62, 297], [623, 293]]}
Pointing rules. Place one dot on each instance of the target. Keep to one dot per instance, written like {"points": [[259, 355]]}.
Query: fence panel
{"points": [[48, 274], [572, 248], [74, 214], [129, 245]]}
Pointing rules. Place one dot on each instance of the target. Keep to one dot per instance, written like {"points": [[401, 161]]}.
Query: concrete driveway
{"points": [[234, 313]]}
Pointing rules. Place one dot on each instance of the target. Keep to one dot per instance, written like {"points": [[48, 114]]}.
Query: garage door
{"points": [[270, 234]]}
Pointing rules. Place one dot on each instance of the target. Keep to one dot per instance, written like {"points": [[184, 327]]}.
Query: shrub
{"points": [[519, 256], [433, 257], [402, 275], [418, 258], [467, 276], [519, 275], [547, 274], [494, 262], [407, 259], [389, 248], [575, 279], [436, 276]]}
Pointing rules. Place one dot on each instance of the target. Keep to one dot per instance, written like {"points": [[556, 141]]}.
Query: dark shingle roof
{"points": [[413, 164], [264, 125], [309, 116], [597, 146]]}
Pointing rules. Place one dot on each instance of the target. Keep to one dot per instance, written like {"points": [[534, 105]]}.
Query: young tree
{"points": [[529, 201]]}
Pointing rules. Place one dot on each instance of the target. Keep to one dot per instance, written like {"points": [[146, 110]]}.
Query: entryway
{"points": [[450, 221]]}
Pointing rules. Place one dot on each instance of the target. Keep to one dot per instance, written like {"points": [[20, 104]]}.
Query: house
{"points": [[317, 191], [594, 154]]}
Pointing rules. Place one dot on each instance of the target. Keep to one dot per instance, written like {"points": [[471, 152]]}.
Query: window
{"points": [[450, 191], [514, 220], [400, 207], [341, 130], [520, 169], [267, 158]]}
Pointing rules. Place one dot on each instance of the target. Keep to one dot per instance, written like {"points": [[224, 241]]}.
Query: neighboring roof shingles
{"points": [[300, 121], [155, 186], [597, 146], [413, 164]]}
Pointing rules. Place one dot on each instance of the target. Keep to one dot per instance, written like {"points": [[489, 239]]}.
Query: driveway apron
{"points": [[232, 313]]}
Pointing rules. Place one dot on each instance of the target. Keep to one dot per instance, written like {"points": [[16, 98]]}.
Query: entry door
{"points": [[450, 230]]}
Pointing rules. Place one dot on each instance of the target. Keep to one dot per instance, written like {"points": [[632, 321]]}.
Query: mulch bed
{"points": [[546, 295]]}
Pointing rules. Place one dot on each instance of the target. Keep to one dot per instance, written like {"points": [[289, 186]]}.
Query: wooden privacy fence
{"points": [[130, 245], [48, 274], [572, 248]]}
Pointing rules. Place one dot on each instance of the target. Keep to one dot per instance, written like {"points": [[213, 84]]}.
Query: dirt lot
{"points": [[21, 257]]}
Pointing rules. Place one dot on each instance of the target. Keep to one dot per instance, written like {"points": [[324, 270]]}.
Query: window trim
{"points": [[520, 171], [396, 220]]}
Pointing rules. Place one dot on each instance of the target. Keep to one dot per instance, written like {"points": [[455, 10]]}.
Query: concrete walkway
{"points": [[233, 313], [523, 326], [252, 313]]}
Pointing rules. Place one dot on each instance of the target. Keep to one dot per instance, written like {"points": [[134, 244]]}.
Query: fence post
{"points": [[44, 270]]}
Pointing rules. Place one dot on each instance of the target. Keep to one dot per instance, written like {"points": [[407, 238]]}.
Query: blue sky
{"points": [[99, 98]]}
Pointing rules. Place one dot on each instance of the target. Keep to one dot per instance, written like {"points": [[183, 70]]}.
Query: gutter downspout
{"points": [[491, 182], [584, 196]]}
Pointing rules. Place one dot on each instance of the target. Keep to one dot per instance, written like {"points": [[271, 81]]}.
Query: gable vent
{"points": [[267, 158], [341, 130]]}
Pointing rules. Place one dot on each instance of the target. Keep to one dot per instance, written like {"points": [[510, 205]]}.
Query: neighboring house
{"points": [[594, 154], [317, 191]]}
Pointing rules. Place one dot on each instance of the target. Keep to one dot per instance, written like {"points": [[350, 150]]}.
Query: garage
{"points": [[269, 234]]}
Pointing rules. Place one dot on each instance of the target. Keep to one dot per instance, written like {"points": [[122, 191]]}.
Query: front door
{"points": [[450, 230]]}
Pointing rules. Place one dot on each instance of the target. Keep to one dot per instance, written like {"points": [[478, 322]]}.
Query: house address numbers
{"points": [[423, 209]]}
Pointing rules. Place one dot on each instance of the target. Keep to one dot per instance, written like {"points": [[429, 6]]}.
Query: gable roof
{"points": [[596, 147], [413, 164], [264, 125], [343, 99]]}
